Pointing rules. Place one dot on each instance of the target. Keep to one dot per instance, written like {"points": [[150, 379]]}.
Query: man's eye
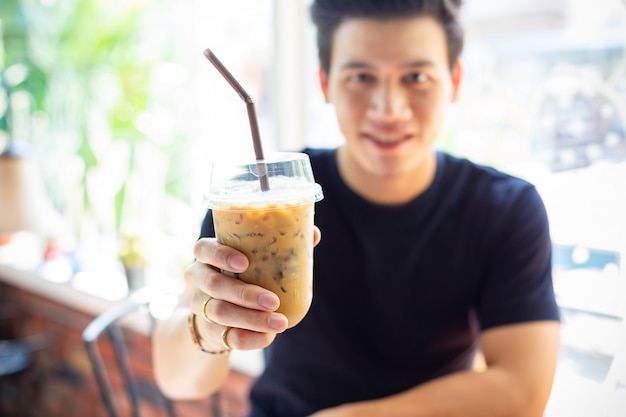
{"points": [[361, 78], [416, 78]]}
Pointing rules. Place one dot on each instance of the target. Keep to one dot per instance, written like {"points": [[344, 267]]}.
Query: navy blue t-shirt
{"points": [[401, 293]]}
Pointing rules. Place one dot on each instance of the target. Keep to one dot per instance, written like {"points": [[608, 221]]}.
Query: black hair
{"points": [[327, 15]]}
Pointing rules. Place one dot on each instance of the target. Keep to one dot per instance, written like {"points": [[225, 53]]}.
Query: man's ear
{"points": [[457, 75], [323, 77]]}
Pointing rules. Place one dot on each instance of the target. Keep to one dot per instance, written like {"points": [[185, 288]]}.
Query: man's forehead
{"points": [[407, 42], [370, 32]]}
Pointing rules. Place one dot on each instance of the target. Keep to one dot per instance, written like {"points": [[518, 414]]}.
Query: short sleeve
{"points": [[517, 286]]}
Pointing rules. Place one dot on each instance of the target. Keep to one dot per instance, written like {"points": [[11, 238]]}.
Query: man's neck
{"points": [[389, 190]]}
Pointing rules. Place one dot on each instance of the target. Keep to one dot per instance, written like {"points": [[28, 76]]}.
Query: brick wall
{"points": [[60, 381]]}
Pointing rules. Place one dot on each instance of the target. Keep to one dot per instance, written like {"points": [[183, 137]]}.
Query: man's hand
{"points": [[248, 309]]}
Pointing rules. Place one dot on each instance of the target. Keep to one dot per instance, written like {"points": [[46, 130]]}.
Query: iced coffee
{"points": [[273, 228]]}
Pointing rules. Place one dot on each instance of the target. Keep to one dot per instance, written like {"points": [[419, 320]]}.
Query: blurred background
{"points": [[110, 114]]}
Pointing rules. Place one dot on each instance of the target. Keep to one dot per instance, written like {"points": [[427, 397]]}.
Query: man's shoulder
{"points": [[481, 177], [464, 166]]}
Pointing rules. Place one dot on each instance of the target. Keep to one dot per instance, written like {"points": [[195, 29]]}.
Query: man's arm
{"points": [[521, 362], [181, 370]]}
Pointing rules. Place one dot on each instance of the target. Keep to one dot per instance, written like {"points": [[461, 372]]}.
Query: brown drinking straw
{"points": [[254, 125]]}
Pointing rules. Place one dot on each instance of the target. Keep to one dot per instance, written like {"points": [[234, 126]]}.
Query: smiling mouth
{"points": [[387, 141]]}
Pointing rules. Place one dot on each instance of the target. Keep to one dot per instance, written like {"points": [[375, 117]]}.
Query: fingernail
{"points": [[269, 301], [238, 262], [278, 321]]}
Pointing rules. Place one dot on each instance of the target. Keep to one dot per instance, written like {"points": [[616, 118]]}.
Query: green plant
{"points": [[83, 59], [15, 57], [90, 70]]}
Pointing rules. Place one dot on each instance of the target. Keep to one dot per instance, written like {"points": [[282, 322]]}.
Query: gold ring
{"points": [[204, 309], [225, 337]]}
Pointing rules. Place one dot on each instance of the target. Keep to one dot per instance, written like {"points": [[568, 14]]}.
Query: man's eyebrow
{"points": [[420, 63], [356, 65]]}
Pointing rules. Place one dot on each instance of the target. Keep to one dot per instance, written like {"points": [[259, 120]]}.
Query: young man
{"points": [[426, 258]]}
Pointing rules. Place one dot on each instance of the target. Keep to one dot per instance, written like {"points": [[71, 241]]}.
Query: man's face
{"points": [[390, 83]]}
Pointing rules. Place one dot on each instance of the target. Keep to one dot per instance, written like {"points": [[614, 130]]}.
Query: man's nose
{"points": [[389, 103]]}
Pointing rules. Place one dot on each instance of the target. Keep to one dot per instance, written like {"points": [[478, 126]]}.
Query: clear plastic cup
{"points": [[273, 228]]}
